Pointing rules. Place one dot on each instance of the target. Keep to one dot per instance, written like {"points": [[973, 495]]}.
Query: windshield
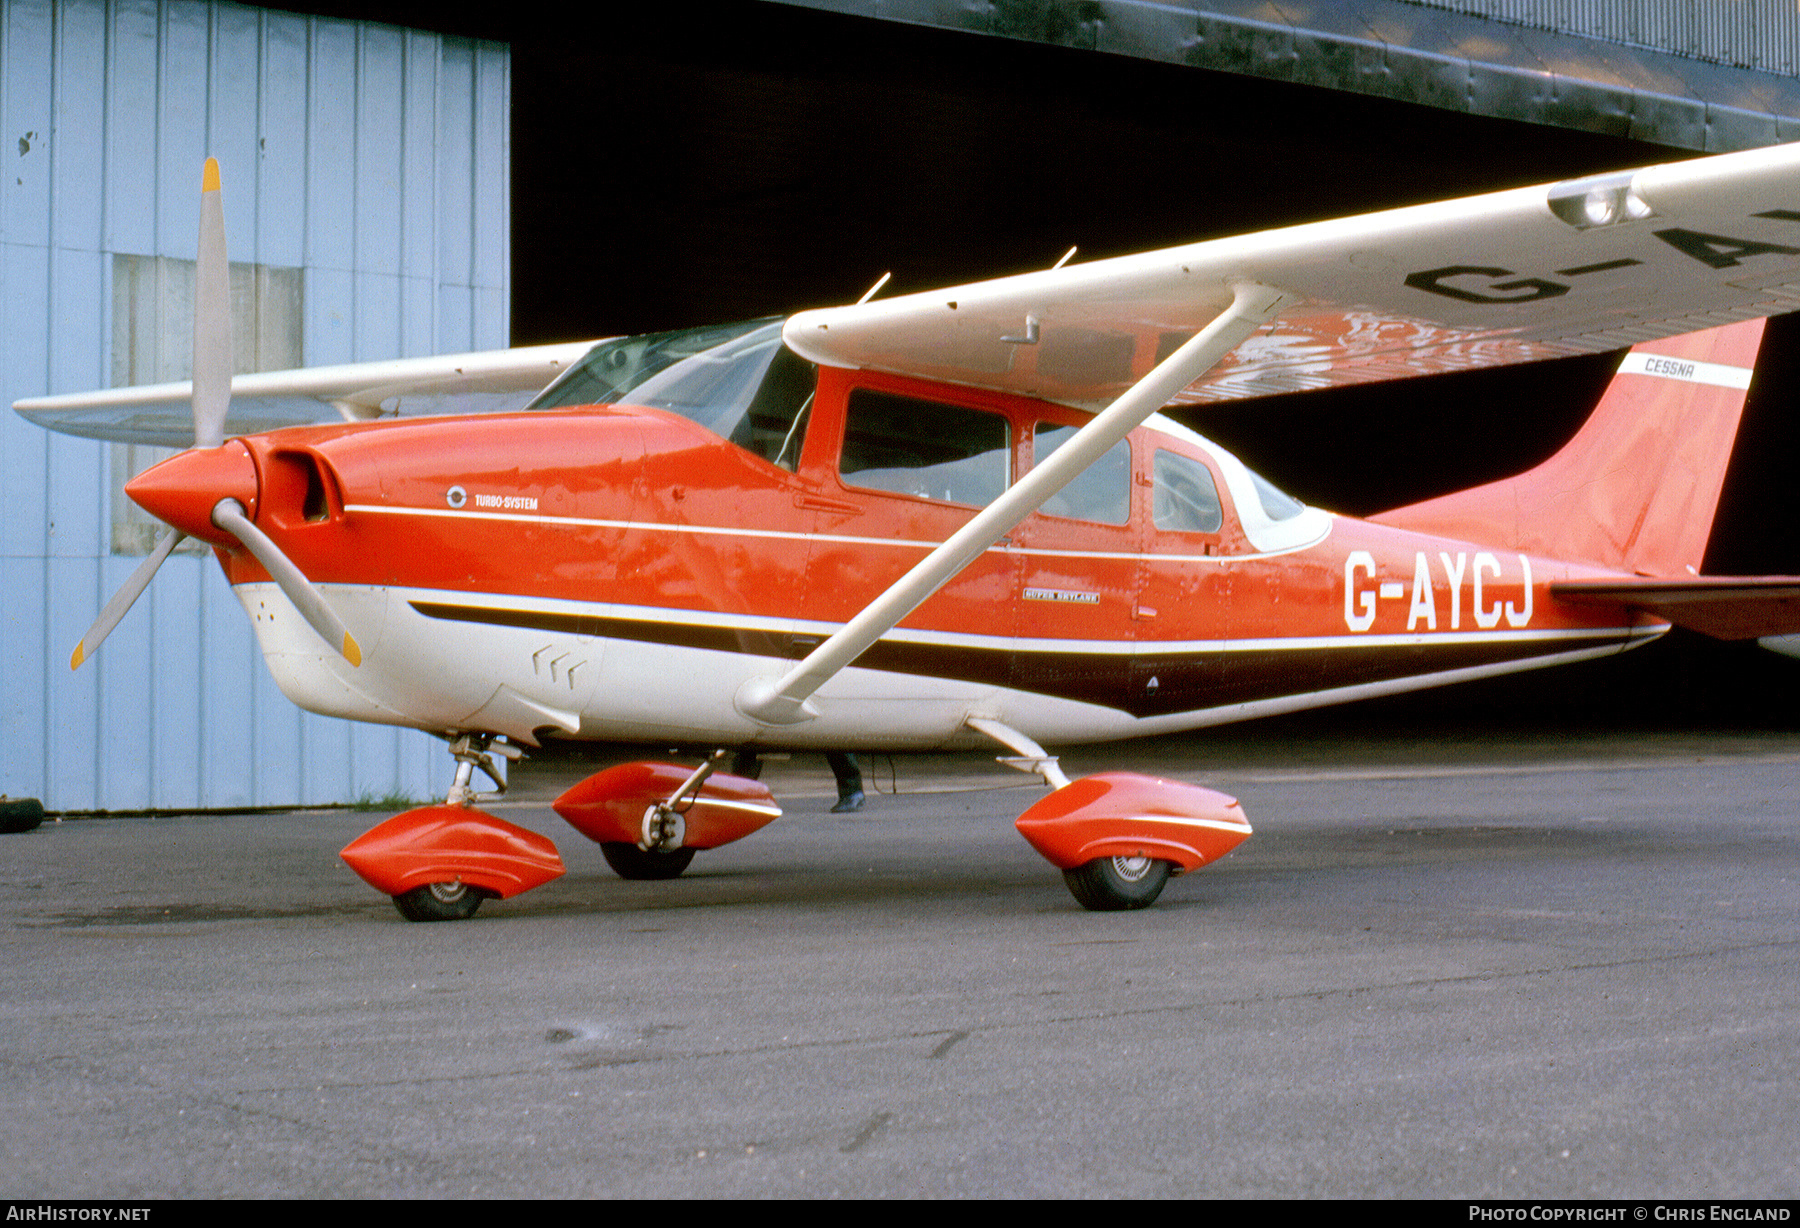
{"points": [[737, 380]]}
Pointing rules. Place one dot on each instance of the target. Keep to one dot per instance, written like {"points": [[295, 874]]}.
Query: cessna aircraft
{"points": [[958, 516]]}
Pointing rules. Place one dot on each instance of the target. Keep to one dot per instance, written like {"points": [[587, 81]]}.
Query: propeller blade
{"points": [[212, 399], [229, 515], [212, 317], [129, 592]]}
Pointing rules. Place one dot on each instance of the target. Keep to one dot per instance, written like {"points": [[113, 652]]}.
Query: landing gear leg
{"points": [[660, 852], [649, 819], [470, 750], [456, 900], [1078, 818]]}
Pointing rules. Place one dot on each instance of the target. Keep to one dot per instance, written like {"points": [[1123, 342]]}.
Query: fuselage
{"points": [[620, 572]]}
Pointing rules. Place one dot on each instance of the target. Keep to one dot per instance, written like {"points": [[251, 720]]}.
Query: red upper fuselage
{"points": [[671, 535]]}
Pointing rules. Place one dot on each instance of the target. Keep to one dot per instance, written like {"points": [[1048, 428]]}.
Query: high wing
{"points": [[161, 414], [1577, 266], [1580, 266]]}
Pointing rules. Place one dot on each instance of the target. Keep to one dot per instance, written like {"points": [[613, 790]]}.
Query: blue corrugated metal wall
{"points": [[375, 159]]}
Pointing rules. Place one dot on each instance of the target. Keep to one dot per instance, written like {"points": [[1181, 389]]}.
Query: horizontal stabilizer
{"points": [[1724, 607]]}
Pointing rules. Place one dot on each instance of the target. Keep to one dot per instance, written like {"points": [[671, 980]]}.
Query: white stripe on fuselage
{"points": [[842, 539]]}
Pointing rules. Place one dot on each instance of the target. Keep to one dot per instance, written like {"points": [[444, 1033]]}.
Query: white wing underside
{"points": [[1702, 257], [1484, 281], [489, 381]]}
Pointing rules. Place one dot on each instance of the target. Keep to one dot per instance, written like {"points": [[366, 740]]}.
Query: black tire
{"points": [[20, 813], [1116, 884], [630, 861], [440, 902]]}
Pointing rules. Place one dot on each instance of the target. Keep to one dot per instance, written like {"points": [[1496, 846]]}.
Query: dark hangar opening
{"points": [[697, 164]]}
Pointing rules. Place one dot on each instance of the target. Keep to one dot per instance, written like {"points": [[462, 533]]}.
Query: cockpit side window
{"points": [[1187, 498], [924, 448], [1101, 493], [774, 423]]}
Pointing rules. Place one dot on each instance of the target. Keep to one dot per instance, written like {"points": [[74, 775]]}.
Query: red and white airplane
{"points": [[956, 517]]}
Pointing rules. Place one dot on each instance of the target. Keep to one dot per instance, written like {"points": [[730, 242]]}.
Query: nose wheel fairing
{"points": [[450, 847]]}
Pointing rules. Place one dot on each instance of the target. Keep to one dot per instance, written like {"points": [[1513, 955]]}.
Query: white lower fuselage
{"points": [[442, 674]]}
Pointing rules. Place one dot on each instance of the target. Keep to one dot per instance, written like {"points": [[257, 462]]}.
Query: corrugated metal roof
{"points": [[1678, 79], [1763, 35]]}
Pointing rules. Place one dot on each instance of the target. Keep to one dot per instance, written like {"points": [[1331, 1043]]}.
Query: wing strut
{"points": [[784, 701]]}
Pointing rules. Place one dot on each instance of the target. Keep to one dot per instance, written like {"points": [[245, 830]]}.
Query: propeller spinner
{"points": [[207, 475]]}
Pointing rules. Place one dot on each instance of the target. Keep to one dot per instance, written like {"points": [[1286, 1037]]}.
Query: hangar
{"points": [[368, 212], [678, 167]]}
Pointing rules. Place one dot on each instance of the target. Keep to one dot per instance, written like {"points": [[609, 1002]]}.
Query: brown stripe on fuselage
{"points": [[1142, 683]]}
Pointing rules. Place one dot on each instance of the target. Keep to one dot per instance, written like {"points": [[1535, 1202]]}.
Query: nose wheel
{"points": [[456, 900], [437, 863]]}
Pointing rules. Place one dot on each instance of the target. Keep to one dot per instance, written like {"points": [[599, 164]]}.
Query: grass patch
{"points": [[392, 800]]}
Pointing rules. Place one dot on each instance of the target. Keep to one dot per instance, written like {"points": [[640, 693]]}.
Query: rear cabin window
{"points": [[1187, 499], [1101, 493], [911, 447], [1276, 504]]}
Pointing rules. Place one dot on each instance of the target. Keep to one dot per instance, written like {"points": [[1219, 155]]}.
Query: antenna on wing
{"points": [[870, 292]]}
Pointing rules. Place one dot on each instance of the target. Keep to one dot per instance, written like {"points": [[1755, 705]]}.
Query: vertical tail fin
{"points": [[1636, 488]]}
